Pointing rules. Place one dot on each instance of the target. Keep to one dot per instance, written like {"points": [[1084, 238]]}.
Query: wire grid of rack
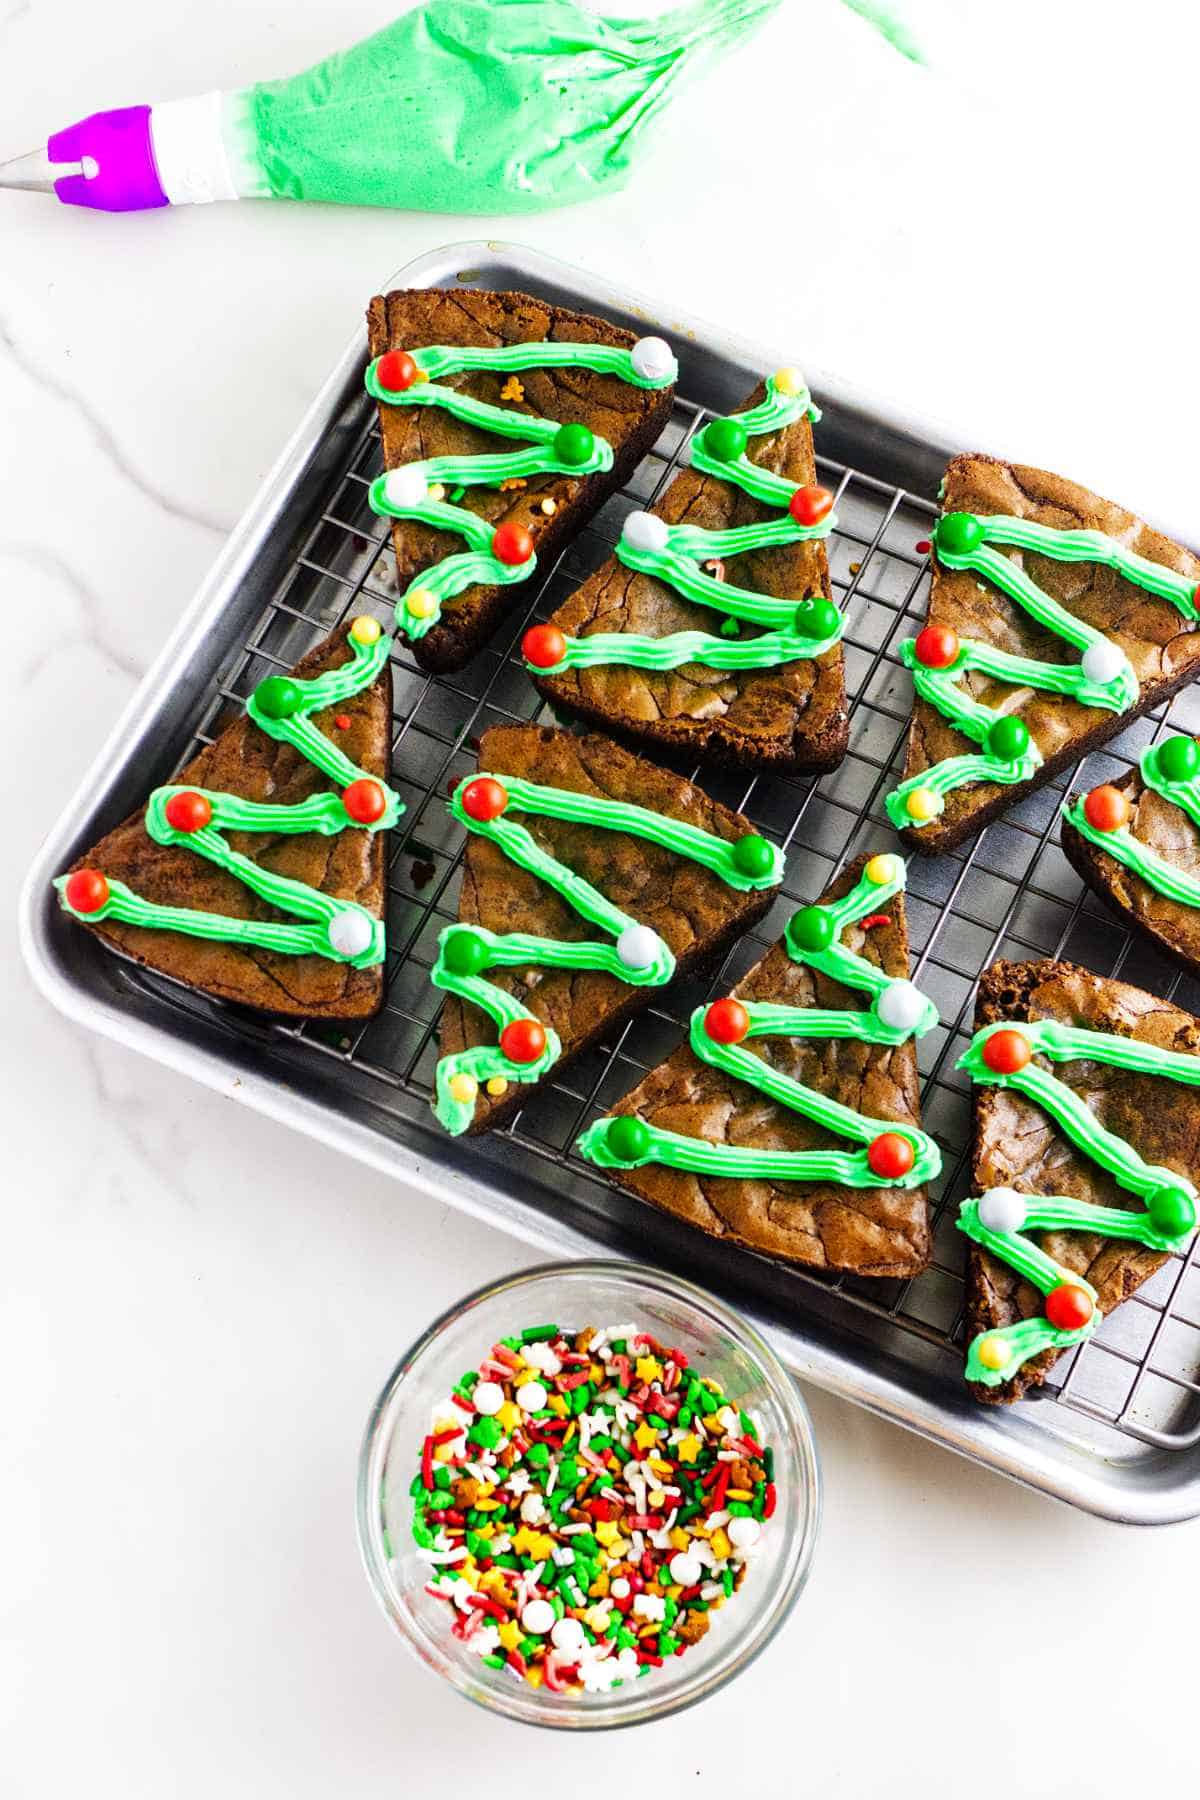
{"points": [[1010, 893]]}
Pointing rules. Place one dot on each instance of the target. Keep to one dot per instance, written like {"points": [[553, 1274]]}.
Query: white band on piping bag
{"points": [[189, 150]]}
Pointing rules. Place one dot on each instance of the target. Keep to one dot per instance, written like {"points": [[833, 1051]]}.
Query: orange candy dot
{"points": [[1106, 808]]}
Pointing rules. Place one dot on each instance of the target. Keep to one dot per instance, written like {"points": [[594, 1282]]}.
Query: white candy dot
{"points": [[743, 1533], [538, 1618], [652, 358], [487, 1397], [531, 1395], [901, 1006], [350, 933], [567, 1634], [405, 487], [644, 531], [685, 1569], [638, 947], [1002, 1209], [619, 1589], [1102, 662]]}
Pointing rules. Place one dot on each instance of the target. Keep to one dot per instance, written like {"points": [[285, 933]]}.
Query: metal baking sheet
{"points": [[1119, 1431]]}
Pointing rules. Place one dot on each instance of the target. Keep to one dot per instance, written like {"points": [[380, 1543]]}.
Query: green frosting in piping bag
{"points": [[1104, 677], [998, 1219], [340, 930], [637, 956], [899, 1011], [552, 448]]}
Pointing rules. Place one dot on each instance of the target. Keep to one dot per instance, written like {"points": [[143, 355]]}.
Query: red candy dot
{"points": [[937, 646], [188, 811], [1005, 1052], [343, 721], [524, 1040], [890, 1156], [922, 546], [511, 543], [484, 799], [1106, 809], [543, 646], [365, 801], [1068, 1306], [86, 890], [396, 371], [809, 505], [727, 1021]]}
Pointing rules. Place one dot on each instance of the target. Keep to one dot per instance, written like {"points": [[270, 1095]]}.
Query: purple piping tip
{"points": [[119, 144]]}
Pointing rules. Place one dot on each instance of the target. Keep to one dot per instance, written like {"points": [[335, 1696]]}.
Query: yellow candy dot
{"points": [[923, 804], [789, 381], [463, 1088], [880, 870], [497, 1086], [366, 630], [421, 604], [994, 1353], [436, 491]]}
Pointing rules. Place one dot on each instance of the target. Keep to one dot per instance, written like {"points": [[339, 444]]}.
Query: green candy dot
{"points": [[753, 855], [958, 534], [627, 1138], [725, 439], [574, 445], [1008, 738], [1171, 1210], [811, 928], [817, 618], [278, 698], [465, 953], [1179, 758]]}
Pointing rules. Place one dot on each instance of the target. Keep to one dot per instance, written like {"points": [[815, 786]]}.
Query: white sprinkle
{"points": [[533, 1509], [650, 1606], [567, 1634]]}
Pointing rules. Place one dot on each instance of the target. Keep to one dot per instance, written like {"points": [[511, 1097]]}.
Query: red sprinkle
{"points": [[503, 1354], [516, 1661], [427, 1462], [444, 1437], [769, 1499], [343, 721], [565, 1382], [466, 1405], [874, 920]]}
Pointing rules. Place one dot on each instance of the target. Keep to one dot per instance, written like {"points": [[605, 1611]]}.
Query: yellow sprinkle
{"points": [[366, 630], [994, 1353], [509, 1634], [533, 1675], [721, 1544], [789, 381], [656, 1497], [648, 1368], [463, 1088], [715, 1386], [486, 1505], [512, 389], [679, 1538], [599, 1587], [421, 604], [497, 1086], [881, 870], [645, 1436], [513, 481], [607, 1532], [557, 1404], [738, 1494], [549, 507], [688, 1448], [922, 804], [509, 1415]]}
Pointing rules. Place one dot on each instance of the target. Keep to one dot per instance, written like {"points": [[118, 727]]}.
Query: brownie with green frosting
{"points": [[553, 508], [789, 717], [1017, 1145], [696, 913], [1163, 648], [874, 1231], [350, 865], [1167, 831]]}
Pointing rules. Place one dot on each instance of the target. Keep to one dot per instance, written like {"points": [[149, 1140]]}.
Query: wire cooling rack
{"points": [[1010, 893]]}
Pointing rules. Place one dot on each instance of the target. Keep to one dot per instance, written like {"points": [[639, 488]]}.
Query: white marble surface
{"points": [[196, 1306]]}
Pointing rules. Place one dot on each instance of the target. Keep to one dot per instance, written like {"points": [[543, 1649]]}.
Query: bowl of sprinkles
{"points": [[588, 1495]]}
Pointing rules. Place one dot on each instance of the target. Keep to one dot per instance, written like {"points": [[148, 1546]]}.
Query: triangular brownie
{"points": [[165, 903], [488, 492], [659, 645], [1086, 1114], [1055, 617], [843, 1182], [1136, 842], [590, 878]]}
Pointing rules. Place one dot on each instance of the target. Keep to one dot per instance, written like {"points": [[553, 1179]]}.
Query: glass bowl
{"points": [[718, 1344]]}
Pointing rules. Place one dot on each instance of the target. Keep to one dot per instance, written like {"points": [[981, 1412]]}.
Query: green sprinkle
{"points": [[486, 1433], [600, 1442], [749, 1428], [618, 1346], [768, 1457], [493, 1661], [456, 494], [537, 1456], [507, 1560], [568, 1472], [583, 1541], [511, 1343], [441, 1476], [528, 1646], [667, 1643], [478, 1546], [612, 1625], [686, 1415], [626, 1639], [727, 1582], [670, 1610], [581, 1398], [422, 1536], [539, 1334], [659, 1424], [738, 1509]]}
